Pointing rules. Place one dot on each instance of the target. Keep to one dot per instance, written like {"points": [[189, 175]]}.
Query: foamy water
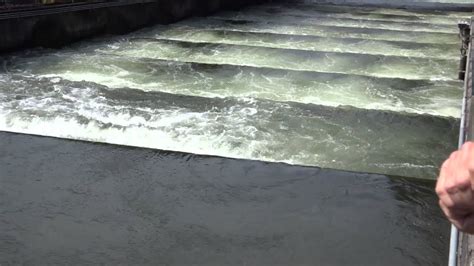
{"points": [[355, 98]]}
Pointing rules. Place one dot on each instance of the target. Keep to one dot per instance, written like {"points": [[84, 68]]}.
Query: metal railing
{"points": [[458, 255], [19, 4], [41, 10]]}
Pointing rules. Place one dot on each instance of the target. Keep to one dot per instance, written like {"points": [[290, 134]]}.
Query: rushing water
{"points": [[374, 91]]}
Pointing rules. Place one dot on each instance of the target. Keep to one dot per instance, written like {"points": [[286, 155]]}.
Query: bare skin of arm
{"points": [[455, 188]]}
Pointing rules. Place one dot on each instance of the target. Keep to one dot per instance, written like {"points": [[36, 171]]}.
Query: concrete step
{"points": [[345, 63], [351, 12], [217, 80], [436, 5], [242, 128], [309, 43], [323, 31], [339, 22], [366, 9]]}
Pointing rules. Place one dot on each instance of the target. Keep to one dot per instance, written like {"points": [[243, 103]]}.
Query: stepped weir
{"points": [[277, 133]]}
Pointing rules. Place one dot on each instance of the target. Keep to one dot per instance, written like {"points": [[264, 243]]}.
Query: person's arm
{"points": [[455, 188]]}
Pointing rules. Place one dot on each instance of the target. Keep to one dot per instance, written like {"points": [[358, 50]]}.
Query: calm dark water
{"points": [[73, 203]]}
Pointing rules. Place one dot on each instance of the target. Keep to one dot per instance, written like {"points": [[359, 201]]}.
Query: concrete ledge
{"points": [[53, 29]]}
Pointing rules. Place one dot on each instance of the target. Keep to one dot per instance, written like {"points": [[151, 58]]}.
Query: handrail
{"points": [[49, 10], [466, 75]]}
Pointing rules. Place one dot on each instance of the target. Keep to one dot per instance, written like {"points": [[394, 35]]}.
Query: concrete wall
{"points": [[54, 30]]}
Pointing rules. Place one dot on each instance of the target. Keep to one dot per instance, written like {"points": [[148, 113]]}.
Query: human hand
{"points": [[455, 188]]}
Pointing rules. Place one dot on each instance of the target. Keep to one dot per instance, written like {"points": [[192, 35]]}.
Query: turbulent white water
{"points": [[251, 90], [340, 22], [369, 14], [307, 43], [323, 31]]}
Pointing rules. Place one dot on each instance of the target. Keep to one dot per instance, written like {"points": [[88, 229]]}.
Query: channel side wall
{"points": [[50, 29]]}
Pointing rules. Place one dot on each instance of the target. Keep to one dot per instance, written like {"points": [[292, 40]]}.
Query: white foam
{"points": [[428, 102], [337, 22], [132, 135], [258, 57]]}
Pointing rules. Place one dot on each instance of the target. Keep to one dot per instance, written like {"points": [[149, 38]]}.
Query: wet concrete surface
{"points": [[74, 203]]}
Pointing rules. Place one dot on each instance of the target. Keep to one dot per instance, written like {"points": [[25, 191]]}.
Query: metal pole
{"points": [[453, 246]]}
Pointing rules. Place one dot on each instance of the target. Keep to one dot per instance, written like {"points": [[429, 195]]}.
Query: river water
{"points": [[79, 203], [370, 90]]}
